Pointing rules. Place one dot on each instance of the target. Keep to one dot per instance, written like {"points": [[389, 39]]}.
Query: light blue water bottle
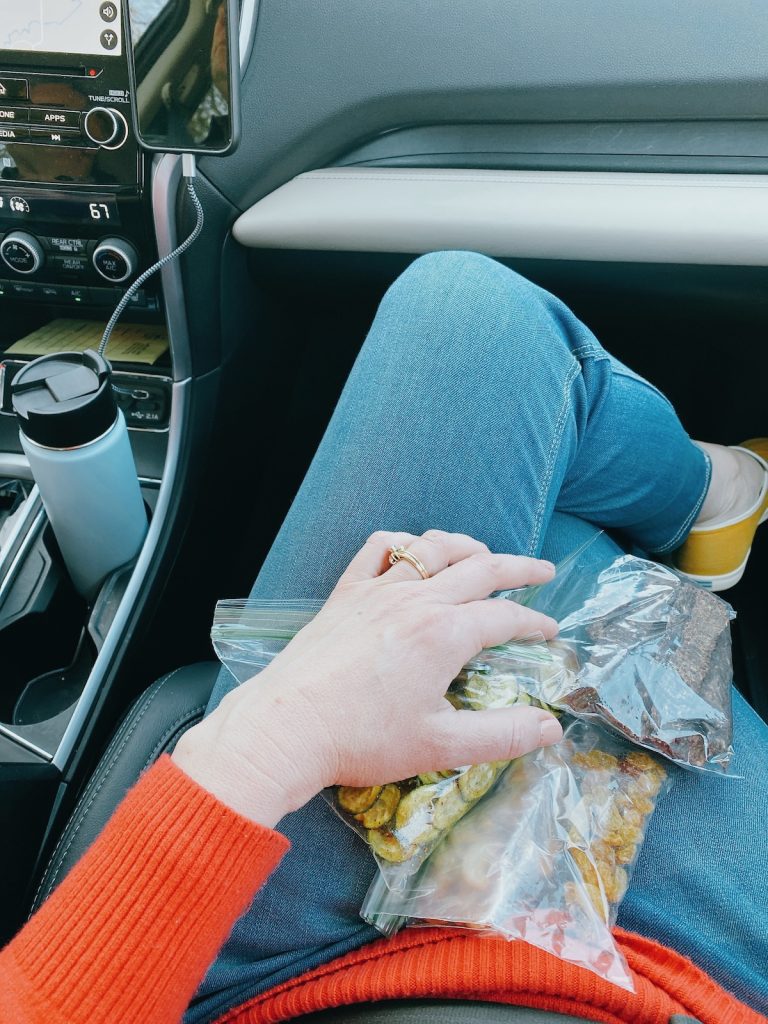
{"points": [[77, 444]]}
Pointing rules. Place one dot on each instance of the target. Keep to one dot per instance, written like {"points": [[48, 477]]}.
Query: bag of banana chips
{"points": [[402, 821]]}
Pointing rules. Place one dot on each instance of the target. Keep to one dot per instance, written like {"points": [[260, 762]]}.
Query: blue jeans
{"points": [[480, 404]]}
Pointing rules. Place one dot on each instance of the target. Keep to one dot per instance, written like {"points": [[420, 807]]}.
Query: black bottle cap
{"points": [[64, 400]]}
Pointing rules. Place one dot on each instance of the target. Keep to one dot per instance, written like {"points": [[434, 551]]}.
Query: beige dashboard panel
{"points": [[647, 218]]}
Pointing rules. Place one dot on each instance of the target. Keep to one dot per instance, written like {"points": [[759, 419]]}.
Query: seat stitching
{"points": [[81, 812], [168, 734], [86, 792]]}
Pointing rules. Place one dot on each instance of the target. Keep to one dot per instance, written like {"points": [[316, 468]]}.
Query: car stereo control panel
{"points": [[74, 224]]}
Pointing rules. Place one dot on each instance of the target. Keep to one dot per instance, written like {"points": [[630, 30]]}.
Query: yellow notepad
{"points": [[129, 343]]}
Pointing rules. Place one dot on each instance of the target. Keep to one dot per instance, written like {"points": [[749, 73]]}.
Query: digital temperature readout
{"points": [[99, 211], [57, 208]]}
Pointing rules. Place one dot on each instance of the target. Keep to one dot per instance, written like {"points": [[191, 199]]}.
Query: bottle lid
{"points": [[64, 400]]}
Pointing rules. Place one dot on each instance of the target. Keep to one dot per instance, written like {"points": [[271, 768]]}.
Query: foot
{"points": [[717, 549]]}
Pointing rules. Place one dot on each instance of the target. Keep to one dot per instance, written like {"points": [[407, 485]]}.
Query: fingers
{"points": [[373, 557], [436, 550], [492, 622], [474, 737], [480, 575], [463, 568]]}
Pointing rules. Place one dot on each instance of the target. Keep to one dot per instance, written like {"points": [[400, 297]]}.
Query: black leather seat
{"points": [[151, 727]]}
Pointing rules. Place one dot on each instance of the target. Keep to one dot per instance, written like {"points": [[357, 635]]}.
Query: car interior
{"points": [[615, 154]]}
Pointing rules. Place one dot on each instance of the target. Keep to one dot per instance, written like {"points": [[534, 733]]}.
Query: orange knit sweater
{"points": [[130, 932]]}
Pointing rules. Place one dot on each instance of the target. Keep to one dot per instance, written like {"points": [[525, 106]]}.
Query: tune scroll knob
{"points": [[115, 259], [22, 252], [106, 127]]}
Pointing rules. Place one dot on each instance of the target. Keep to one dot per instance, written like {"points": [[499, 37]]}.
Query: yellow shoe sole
{"points": [[715, 557]]}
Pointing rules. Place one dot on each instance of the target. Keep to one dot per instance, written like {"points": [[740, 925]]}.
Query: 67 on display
{"points": [[99, 211]]}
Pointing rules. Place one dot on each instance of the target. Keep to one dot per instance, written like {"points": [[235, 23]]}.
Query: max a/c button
{"points": [[14, 89]]}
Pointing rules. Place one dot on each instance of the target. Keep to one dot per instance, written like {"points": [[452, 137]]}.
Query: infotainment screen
{"points": [[91, 27]]}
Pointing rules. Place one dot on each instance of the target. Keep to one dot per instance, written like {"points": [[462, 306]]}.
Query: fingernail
{"points": [[550, 565], [550, 732]]}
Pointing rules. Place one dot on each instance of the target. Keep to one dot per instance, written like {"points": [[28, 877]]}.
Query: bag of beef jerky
{"points": [[644, 651]]}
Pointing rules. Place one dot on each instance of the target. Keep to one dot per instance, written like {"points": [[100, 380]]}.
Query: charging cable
{"points": [[188, 171]]}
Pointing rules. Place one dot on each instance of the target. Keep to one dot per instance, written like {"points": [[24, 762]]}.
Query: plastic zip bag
{"points": [[248, 634], [546, 857], [642, 650], [401, 821], [404, 822]]}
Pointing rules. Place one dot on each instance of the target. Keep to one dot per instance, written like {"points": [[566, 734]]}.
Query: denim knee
{"points": [[464, 297], [468, 274]]}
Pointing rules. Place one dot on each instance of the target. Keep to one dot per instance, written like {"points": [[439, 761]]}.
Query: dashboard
{"points": [[573, 84], [74, 230]]}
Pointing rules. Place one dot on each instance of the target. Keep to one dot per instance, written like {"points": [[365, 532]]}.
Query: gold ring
{"points": [[396, 554]]}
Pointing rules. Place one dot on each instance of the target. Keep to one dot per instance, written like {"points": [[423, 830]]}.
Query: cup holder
{"points": [[49, 635], [45, 649]]}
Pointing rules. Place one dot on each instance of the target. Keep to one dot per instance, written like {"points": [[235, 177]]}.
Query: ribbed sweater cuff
{"points": [[130, 932]]}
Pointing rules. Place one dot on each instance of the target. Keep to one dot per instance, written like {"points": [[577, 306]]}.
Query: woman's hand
{"points": [[357, 698]]}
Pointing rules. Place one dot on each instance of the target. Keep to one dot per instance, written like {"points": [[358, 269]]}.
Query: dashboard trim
{"points": [[630, 217]]}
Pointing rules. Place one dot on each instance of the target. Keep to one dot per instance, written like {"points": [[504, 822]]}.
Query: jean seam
{"points": [[589, 350], [689, 520], [553, 451]]}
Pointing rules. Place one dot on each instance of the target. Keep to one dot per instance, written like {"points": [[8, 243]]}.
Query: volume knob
{"points": [[22, 252], [106, 127]]}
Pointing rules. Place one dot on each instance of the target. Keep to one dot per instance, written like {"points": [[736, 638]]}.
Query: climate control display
{"points": [[16, 207]]}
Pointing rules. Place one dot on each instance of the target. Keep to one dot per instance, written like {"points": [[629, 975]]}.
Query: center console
{"points": [[75, 219], [73, 228], [76, 229]]}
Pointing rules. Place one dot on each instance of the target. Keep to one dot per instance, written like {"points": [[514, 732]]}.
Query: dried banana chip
{"points": [[382, 809], [449, 807], [430, 778], [413, 819], [387, 846], [476, 781], [484, 690], [357, 799]]}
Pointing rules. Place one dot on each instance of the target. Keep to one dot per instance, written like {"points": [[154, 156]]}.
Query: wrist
{"points": [[198, 756], [259, 753]]}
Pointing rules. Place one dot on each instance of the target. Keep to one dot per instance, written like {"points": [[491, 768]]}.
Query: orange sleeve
{"points": [[130, 932]]}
